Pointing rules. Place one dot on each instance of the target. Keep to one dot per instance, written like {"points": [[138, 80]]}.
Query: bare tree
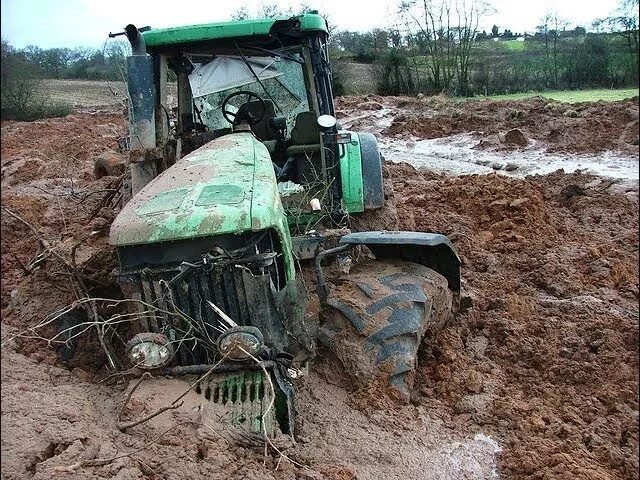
{"points": [[241, 14], [446, 32], [433, 23], [266, 9], [469, 13], [551, 28], [625, 22]]}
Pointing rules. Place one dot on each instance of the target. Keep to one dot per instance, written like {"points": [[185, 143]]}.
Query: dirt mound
{"points": [[47, 181], [53, 211], [559, 127], [515, 137], [546, 358]]}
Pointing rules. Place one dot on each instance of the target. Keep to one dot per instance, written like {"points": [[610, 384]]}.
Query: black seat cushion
{"points": [[306, 130]]}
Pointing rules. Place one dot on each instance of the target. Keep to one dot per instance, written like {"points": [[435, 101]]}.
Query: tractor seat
{"points": [[262, 129], [304, 159], [305, 135]]}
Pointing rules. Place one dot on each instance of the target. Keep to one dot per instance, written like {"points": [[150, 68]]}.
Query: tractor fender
{"points": [[432, 250], [372, 183]]}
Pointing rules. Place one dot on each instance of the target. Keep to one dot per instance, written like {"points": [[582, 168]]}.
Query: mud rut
{"points": [[538, 378]]}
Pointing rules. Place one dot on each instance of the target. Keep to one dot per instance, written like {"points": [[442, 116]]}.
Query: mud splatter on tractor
{"points": [[229, 203]]}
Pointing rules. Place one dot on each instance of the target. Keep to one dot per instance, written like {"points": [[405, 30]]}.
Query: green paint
{"points": [[227, 186], [220, 194], [351, 175], [246, 396], [164, 202], [309, 22], [352, 185]]}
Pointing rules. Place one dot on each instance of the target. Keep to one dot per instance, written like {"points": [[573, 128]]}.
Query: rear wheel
{"points": [[377, 316]]}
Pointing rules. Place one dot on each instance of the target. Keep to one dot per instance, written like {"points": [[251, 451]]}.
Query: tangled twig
{"points": [[135, 387], [122, 426], [177, 403]]}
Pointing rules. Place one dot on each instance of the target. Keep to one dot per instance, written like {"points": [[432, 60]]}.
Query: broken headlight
{"points": [[240, 343], [149, 350]]}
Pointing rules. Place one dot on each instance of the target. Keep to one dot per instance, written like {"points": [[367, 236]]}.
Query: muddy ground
{"points": [[537, 379]]}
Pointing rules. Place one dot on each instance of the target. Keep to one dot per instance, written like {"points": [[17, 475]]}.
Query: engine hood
{"points": [[226, 186]]}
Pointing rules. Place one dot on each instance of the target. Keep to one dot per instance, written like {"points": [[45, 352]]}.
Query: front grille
{"points": [[244, 401], [180, 308], [175, 281], [190, 294]]}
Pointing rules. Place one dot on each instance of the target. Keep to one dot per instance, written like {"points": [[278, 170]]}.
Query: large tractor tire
{"points": [[376, 317]]}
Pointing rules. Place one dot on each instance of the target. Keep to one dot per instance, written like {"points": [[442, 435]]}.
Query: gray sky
{"points": [[71, 23]]}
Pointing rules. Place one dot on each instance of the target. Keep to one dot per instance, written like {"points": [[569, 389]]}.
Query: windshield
{"points": [[282, 83]]}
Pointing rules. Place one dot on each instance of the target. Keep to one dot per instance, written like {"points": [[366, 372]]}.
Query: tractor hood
{"points": [[226, 186]]}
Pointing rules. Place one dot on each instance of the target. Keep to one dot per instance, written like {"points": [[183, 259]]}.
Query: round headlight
{"points": [[150, 350], [232, 343]]}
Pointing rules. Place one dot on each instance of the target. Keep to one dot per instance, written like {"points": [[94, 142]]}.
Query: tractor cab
{"points": [[267, 77]]}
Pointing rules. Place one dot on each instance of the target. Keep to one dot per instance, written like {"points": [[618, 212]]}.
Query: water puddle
{"points": [[455, 155], [373, 121]]}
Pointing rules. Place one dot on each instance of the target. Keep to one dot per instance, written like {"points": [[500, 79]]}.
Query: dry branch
{"points": [[122, 426]]}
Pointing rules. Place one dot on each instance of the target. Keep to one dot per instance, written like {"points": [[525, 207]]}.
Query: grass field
{"points": [[574, 96], [85, 93], [513, 45], [93, 93]]}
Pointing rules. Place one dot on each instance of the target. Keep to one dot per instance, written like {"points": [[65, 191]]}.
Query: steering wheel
{"points": [[249, 117]]}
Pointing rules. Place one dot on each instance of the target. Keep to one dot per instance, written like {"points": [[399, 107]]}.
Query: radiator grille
{"points": [[188, 297]]}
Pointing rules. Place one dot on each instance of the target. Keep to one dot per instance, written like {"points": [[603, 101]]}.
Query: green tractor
{"points": [[242, 203]]}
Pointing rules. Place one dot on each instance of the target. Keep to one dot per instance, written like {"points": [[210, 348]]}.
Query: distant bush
{"points": [[393, 74], [20, 95], [337, 77], [35, 109]]}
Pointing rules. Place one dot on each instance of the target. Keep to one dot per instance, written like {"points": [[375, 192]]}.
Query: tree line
{"points": [[436, 46], [75, 63]]}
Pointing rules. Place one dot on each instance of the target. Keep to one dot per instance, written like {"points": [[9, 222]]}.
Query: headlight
{"points": [[232, 342], [149, 350]]}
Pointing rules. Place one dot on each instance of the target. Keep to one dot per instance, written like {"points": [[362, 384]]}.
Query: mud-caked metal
{"points": [[142, 131]]}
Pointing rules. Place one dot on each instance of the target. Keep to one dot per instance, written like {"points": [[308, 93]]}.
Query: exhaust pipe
{"points": [[142, 128], [135, 39]]}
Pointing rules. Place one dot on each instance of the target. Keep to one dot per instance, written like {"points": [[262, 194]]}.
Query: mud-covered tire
{"points": [[376, 317]]}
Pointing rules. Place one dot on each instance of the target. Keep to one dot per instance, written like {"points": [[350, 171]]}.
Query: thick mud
{"points": [[537, 378], [546, 359], [536, 136], [574, 128]]}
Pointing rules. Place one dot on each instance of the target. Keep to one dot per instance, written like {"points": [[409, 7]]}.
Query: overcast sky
{"points": [[71, 23]]}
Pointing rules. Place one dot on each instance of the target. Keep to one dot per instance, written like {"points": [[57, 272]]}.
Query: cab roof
{"points": [[190, 34]]}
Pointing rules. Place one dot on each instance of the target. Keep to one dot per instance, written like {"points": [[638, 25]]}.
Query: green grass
{"points": [[512, 45], [574, 96]]}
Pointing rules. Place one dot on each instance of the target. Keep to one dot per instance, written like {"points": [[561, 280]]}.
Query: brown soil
{"points": [[93, 93], [545, 360], [559, 127]]}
